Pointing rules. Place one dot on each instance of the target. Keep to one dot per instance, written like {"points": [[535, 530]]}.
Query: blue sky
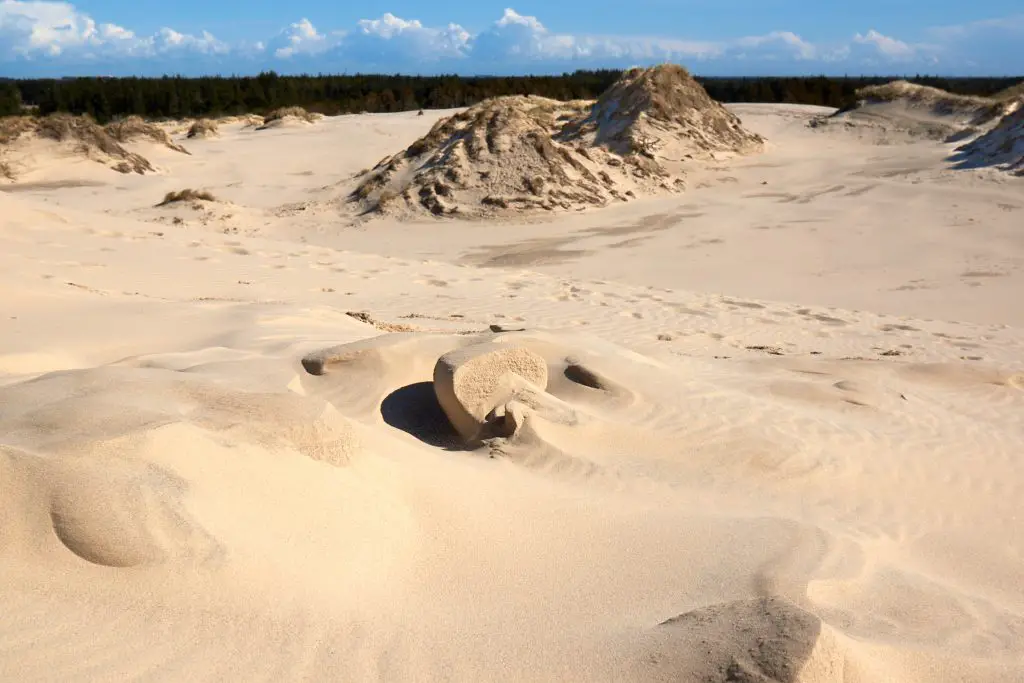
{"points": [[712, 37]]}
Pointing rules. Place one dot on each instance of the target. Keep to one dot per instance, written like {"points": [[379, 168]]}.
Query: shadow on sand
{"points": [[414, 409]]}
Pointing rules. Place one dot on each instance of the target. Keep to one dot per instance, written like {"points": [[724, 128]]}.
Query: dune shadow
{"points": [[414, 410]]}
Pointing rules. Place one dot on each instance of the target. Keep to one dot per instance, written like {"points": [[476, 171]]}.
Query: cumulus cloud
{"points": [[300, 38], [517, 39], [56, 34], [393, 39], [38, 30], [773, 46], [885, 46]]}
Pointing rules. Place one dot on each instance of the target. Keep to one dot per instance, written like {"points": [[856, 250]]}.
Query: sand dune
{"points": [[514, 154], [901, 111], [767, 429], [133, 128], [1002, 146], [28, 143]]}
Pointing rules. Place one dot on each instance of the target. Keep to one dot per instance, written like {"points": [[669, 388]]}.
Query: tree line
{"points": [[178, 97]]}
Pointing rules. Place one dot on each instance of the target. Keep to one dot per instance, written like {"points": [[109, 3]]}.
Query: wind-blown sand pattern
{"points": [[766, 429]]}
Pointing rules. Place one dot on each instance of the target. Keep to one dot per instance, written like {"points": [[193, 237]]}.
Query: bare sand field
{"points": [[767, 425]]}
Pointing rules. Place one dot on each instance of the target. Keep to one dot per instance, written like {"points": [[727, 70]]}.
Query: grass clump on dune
{"points": [[203, 128], [187, 195], [297, 112]]}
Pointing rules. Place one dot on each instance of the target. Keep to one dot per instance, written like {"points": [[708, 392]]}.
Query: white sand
{"points": [[781, 438]]}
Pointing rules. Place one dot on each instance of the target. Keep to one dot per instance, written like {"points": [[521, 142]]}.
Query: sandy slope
{"points": [[719, 485]]}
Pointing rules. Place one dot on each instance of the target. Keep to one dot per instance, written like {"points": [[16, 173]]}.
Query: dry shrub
{"points": [[187, 195], [11, 128], [203, 128], [385, 197], [297, 112]]}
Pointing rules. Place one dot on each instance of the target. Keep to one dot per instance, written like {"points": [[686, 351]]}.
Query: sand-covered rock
{"points": [[472, 382], [63, 134], [518, 153], [134, 128]]}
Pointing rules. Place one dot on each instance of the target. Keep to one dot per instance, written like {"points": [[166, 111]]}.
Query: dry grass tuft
{"points": [[187, 195], [297, 112], [134, 128], [203, 128], [12, 127]]}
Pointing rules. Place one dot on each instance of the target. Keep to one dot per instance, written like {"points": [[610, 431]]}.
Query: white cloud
{"points": [[391, 39], [520, 39], [49, 34], [773, 46], [1011, 26], [886, 46], [168, 40], [300, 38], [37, 29]]}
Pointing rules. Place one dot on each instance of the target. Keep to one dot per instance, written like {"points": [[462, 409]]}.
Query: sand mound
{"points": [[1001, 147], [78, 135], [515, 153], [902, 109], [663, 112], [134, 128], [203, 128], [288, 116], [497, 155], [768, 640]]}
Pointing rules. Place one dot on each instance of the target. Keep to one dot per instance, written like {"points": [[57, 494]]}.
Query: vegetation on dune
{"points": [[1011, 93], [177, 97], [187, 195], [297, 112], [203, 128]]}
